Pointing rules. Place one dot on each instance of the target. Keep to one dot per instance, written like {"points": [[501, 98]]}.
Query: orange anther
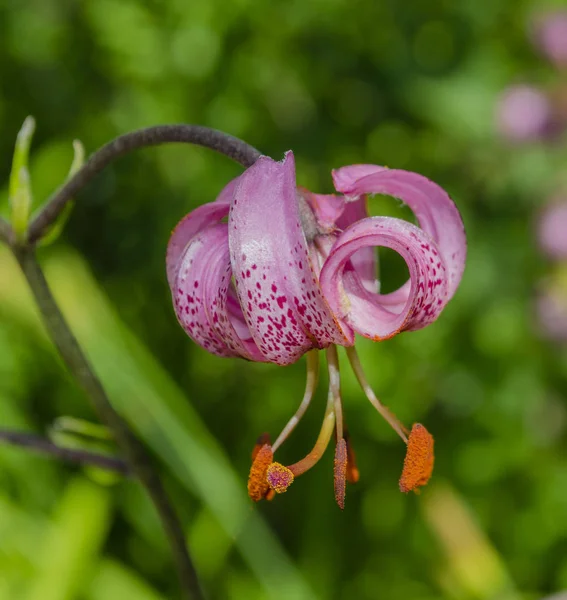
{"points": [[352, 472], [341, 458], [418, 463], [261, 441], [257, 483]]}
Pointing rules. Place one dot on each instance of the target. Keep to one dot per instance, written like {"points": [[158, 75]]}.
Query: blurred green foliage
{"points": [[410, 85]]}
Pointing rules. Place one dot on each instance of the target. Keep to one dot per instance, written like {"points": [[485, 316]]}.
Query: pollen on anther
{"points": [[258, 486], [418, 463], [341, 459], [279, 477]]}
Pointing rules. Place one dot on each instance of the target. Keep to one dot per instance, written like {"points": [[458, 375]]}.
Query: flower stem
{"points": [[41, 445], [131, 448], [226, 144], [6, 232], [134, 453]]}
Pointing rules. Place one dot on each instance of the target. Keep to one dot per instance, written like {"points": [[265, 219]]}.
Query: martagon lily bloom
{"points": [[269, 272], [551, 36]]}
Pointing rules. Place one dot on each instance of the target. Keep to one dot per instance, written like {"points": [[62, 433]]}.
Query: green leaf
{"points": [[85, 429], [75, 538], [156, 408], [78, 158], [19, 190], [57, 227]]}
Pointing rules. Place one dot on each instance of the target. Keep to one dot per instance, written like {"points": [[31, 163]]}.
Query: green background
{"points": [[410, 85]]}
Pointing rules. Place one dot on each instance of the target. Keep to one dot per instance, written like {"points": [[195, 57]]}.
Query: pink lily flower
{"points": [[552, 228], [270, 272], [551, 309], [524, 113], [551, 36]]}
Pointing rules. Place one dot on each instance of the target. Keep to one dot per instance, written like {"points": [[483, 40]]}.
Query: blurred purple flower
{"points": [[552, 229], [551, 312], [523, 114], [269, 272], [551, 36]]}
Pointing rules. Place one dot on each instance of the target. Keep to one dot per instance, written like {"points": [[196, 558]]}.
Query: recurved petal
{"points": [[275, 282], [223, 308], [374, 315], [334, 213], [434, 209], [327, 208], [201, 296], [345, 177], [191, 224], [364, 261]]}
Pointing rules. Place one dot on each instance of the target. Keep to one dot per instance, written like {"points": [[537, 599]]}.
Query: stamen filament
{"points": [[335, 387], [311, 384], [393, 421], [322, 441]]}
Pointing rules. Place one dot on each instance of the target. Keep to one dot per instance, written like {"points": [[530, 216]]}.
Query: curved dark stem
{"points": [[132, 450], [41, 445], [6, 232], [135, 456], [230, 146]]}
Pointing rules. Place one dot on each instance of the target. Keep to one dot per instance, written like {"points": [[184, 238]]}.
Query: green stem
{"points": [[131, 448], [6, 232], [38, 444], [226, 144]]}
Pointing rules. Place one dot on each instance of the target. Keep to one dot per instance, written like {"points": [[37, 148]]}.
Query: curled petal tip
{"points": [[377, 316], [193, 223], [279, 478], [435, 211], [418, 463], [345, 178], [258, 487]]}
